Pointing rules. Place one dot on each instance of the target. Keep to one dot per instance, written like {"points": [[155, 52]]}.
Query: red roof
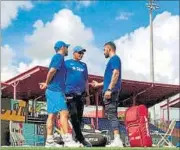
{"points": [[28, 86], [4, 84], [146, 92]]}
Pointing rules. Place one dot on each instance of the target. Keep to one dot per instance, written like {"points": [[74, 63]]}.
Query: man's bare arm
{"points": [[114, 78], [100, 84], [87, 87], [50, 75], [96, 84]]}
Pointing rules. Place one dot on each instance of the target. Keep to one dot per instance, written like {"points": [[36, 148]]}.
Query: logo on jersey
{"points": [[78, 69]]}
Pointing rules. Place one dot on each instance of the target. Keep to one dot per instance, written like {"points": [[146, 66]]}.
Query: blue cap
{"points": [[60, 44], [78, 49]]}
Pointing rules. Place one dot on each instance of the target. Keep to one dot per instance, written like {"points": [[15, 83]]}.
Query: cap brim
{"points": [[67, 45], [83, 50]]}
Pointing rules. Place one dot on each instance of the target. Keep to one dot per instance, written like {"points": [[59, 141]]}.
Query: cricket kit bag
{"points": [[137, 126], [96, 139]]}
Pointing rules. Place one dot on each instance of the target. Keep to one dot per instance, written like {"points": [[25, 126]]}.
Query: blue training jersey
{"points": [[114, 63], [76, 77], [57, 83]]}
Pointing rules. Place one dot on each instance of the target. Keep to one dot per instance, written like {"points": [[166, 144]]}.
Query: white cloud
{"points": [[8, 72], [7, 55], [7, 68], [68, 27], [124, 16], [134, 50], [9, 11], [64, 26], [24, 67]]}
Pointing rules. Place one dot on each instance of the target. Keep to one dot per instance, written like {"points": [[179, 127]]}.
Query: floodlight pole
{"points": [[152, 6]]}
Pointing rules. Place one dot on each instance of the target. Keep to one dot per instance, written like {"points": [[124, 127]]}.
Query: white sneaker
{"points": [[116, 143], [69, 142], [52, 144]]}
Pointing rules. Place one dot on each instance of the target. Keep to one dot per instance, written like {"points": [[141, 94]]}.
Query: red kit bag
{"points": [[137, 126]]}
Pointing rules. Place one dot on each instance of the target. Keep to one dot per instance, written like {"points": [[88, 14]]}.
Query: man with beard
{"points": [[77, 89], [56, 101], [111, 89]]}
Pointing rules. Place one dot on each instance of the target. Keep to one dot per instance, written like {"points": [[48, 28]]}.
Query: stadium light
{"points": [[152, 6]]}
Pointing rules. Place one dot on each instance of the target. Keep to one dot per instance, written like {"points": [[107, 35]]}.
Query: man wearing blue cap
{"points": [[56, 101], [111, 89], [77, 89]]}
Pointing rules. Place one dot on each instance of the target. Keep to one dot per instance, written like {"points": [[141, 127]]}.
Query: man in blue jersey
{"points": [[77, 88], [56, 101], [111, 89]]}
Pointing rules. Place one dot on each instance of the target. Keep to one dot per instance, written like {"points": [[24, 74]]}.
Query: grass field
{"points": [[83, 148]]}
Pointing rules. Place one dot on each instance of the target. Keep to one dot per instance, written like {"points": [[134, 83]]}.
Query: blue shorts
{"points": [[56, 101]]}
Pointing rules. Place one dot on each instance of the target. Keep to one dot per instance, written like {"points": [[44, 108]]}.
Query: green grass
{"points": [[83, 148]]}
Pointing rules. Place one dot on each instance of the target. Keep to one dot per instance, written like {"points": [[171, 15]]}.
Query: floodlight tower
{"points": [[151, 5]]}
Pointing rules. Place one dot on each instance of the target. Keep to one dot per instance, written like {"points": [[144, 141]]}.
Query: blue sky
{"points": [[99, 16]]}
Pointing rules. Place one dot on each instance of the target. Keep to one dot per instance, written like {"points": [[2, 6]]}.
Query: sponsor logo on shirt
{"points": [[78, 69]]}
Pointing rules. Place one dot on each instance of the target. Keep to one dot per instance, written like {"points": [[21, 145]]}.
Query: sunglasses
{"points": [[81, 53]]}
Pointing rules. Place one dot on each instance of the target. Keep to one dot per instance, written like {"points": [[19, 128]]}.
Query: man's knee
{"points": [[50, 121], [64, 114], [51, 117], [112, 117], [115, 124]]}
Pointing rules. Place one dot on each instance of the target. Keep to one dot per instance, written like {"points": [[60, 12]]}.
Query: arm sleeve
{"points": [[56, 62], [116, 63]]}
